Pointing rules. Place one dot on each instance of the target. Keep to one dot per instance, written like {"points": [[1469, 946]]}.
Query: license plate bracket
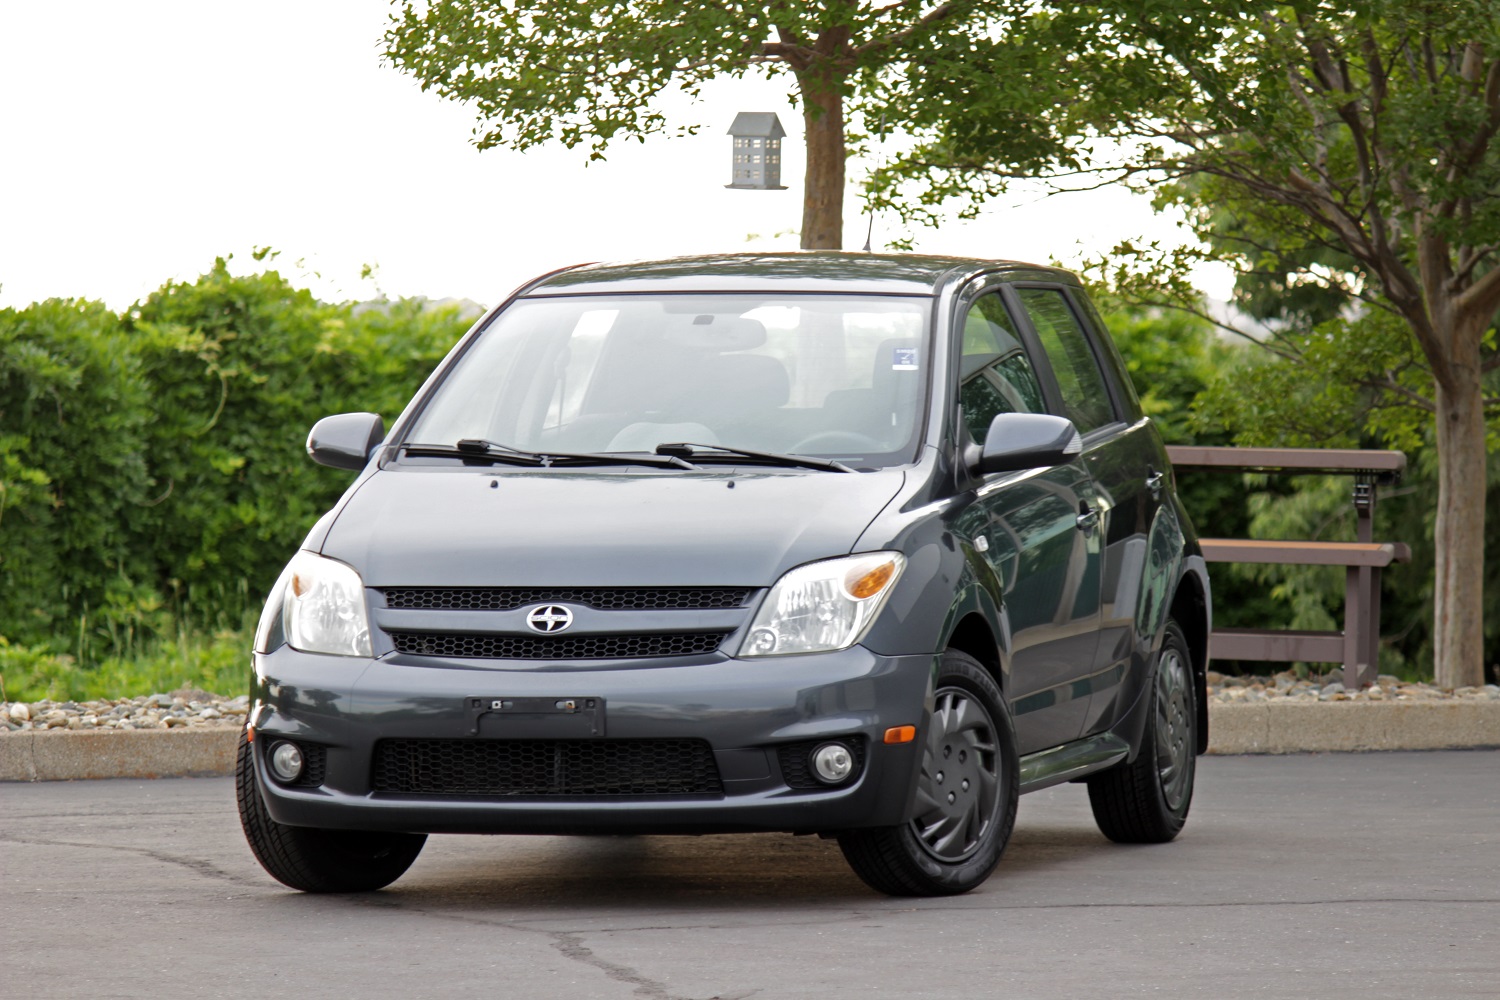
{"points": [[560, 717]]}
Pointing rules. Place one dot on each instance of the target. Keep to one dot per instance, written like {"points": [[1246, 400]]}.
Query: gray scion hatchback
{"points": [[855, 545]]}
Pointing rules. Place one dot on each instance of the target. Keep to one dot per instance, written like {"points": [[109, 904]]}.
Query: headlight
{"points": [[823, 606], [323, 607]]}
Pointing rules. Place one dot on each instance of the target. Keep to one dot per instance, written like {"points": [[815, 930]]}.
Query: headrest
{"points": [[756, 379], [719, 334]]}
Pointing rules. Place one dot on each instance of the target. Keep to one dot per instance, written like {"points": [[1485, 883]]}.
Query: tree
{"points": [[1347, 147], [590, 72]]}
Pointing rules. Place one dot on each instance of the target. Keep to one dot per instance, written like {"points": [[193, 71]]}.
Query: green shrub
{"points": [[74, 406], [152, 471]]}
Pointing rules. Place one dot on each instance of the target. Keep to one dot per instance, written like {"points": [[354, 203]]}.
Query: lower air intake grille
{"points": [[315, 770], [545, 767], [577, 647]]}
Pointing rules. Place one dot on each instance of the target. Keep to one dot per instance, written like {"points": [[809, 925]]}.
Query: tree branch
{"points": [[1389, 384], [927, 20], [1468, 259], [1482, 297], [1281, 352]]}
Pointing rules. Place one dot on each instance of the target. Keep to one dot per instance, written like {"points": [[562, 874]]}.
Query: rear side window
{"points": [[1084, 392], [996, 375]]}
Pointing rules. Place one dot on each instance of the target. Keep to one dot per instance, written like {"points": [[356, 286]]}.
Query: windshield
{"points": [[824, 375]]}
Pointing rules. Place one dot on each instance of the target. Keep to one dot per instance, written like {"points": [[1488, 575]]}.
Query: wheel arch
{"points": [[973, 634], [1191, 610]]}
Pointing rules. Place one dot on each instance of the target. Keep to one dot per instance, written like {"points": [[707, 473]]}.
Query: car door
{"points": [[1126, 462], [1037, 536]]}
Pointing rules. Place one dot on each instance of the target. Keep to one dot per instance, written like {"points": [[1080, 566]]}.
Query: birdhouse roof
{"points": [[757, 123]]}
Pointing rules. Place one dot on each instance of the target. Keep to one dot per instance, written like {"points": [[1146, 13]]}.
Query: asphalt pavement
{"points": [[1319, 876]]}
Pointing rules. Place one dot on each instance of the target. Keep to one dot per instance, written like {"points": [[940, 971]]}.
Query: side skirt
{"points": [[1071, 761]]}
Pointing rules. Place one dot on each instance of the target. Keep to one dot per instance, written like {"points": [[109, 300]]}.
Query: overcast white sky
{"points": [[138, 141]]}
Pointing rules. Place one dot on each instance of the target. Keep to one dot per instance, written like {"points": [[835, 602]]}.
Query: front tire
{"points": [[1146, 800], [966, 795], [318, 860]]}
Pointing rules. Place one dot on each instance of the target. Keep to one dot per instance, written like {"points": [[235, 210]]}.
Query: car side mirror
{"points": [[1018, 441], [345, 440]]}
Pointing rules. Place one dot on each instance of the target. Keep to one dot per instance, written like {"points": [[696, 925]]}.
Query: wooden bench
{"points": [[1357, 645]]}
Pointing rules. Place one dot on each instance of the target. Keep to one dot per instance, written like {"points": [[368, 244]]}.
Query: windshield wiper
{"points": [[490, 451], [474, 450], [717, 452]]}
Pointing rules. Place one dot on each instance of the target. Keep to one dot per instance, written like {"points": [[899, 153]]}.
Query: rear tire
{"points": [[318, 860], [966, 795], [1146, 800]]}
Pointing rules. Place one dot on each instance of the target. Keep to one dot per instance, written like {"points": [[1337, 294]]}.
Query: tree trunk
{"points": [[823, 186], [1458, 615]]}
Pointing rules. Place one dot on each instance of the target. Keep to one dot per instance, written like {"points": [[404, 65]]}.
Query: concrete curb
{"points": [[1322, 727], [66, 754], [1257, 728]]}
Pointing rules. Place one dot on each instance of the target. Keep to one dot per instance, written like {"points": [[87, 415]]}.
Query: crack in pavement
{"points": [[568, 943], [197, 865], [571, 945]]}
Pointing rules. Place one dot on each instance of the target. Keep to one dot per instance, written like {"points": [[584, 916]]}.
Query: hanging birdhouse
{"points": [[757, 151]]}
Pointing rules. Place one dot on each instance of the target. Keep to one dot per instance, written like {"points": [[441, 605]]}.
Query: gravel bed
{"points": [[1287, 686], [186, 708], [199, 709]]}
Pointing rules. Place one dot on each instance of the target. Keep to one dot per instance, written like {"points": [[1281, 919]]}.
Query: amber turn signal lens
{"points": [[871, 582], [901, 734]]}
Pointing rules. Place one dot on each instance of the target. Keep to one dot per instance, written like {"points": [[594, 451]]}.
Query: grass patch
{"points": [[217, 662]]}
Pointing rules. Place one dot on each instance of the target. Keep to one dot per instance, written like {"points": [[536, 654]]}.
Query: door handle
{"points": [[1154, 482], [1088, 517]]}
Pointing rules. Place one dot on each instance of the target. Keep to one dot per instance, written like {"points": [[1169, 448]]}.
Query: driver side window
{"points": [[995, 374]]}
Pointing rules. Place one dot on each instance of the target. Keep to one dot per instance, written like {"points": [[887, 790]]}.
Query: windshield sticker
{"points": [[904, 359]]}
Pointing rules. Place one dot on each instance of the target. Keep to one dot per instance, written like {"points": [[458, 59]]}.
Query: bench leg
{"points": [[1361, 626]]}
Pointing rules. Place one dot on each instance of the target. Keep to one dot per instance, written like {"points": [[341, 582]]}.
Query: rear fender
{"points": [[1166, 552], [1166, 549]]}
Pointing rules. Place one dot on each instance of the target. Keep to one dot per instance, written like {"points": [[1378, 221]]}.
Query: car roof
{"points": [[794, 271]]}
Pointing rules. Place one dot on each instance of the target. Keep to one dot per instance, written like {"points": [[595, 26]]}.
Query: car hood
{"points": [[461, 527]]}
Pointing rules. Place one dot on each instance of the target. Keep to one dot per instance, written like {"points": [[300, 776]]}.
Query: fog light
{"points": [[286, 761], [832, 762]]}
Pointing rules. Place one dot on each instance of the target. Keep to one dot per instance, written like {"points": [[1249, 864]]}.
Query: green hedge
{"points": [[152, 471]]}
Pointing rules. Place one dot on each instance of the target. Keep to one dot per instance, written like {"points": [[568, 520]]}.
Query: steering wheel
{"points": [[838, 442]]}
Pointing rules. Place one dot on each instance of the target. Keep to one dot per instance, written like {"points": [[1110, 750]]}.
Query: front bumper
{"points": [[744, 710]]}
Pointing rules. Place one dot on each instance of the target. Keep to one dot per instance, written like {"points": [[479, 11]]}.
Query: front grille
{"points": [[796, 765], [545, 767], [574, 647], [603, 598]]}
